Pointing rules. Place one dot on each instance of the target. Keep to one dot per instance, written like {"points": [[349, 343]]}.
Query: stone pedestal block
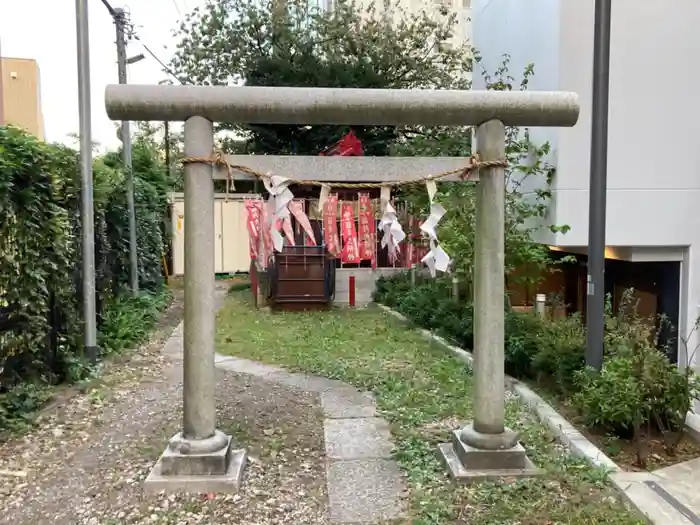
{"points": [[470, 464], [187, 466]]}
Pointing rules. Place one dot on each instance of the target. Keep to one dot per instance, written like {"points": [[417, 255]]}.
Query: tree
{"points": [[528, 193], [234, 42]]}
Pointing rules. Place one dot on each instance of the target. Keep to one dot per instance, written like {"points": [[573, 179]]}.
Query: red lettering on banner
{"points": [[330, 225], [351, 250]]}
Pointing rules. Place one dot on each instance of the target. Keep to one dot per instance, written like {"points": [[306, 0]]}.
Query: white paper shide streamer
{"points": [[280, 197], [389, 224], [436, 259]]}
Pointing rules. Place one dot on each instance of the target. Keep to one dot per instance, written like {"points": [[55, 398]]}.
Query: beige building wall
{"points": [[21, 95]]}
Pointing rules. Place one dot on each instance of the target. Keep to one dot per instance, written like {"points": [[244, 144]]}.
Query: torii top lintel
{"points": [[341, 106]]}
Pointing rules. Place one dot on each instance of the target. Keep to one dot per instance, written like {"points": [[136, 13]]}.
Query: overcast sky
{"points": [[45, 31]]}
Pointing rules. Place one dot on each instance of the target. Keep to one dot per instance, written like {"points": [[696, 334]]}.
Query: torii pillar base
{"points": [[198, 471], [468, 464]]}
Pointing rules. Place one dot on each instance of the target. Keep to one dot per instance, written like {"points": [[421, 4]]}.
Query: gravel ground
{"points": [[85, 461]]}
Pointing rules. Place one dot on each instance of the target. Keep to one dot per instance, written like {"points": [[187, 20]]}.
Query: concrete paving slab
{"points": [[365, 491], [364, 438], [306, 382], [245, 366], [344, 403], [653, 498]]}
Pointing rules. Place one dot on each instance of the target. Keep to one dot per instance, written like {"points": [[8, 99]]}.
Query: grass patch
{"points": [[424, 393]]}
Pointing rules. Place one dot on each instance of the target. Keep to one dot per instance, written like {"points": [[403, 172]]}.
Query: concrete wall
{"points": [[653, 161], [21, 98], [365, 280]]}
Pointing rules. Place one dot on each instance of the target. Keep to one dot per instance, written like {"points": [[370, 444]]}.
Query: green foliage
{"points": [[638, 386], [129, 319], [427, 304], [257, 44], [127, 322], [40, 260], [36, 252], [561, 347], [528, 181]]}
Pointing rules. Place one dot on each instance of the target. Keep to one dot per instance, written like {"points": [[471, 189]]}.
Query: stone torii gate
{"points": [[201, 458]]}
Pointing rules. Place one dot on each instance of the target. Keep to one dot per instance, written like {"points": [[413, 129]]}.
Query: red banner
{"points": [[351, 249], [297, 209], [367, 227], [266, 234], [330, 225], [287, 229], [253, 212]]}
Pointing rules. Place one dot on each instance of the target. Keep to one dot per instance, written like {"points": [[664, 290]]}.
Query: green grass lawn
{"points": [[424, 392]]}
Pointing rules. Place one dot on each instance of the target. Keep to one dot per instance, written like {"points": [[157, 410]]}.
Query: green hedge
{"points": [[638, 385], [41, 251]]}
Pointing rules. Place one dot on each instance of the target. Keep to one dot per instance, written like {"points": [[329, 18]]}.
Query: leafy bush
{"points": [[40, 260], [428, 303], [522, 332], [561, 350], [637, 387], [388, 291], [129, 319]]}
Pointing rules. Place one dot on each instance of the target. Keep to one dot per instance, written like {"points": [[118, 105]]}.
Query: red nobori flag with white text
{"points": [[330, 225], [351, 249], [367, 229], [253, 212]]}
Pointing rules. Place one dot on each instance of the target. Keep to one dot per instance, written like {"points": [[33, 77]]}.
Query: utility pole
{"points": [[88, 221], [595, 306], [119, 16], [166, 130]]}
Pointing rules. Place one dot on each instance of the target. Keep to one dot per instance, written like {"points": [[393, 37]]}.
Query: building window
{"points": [[466, 4]]}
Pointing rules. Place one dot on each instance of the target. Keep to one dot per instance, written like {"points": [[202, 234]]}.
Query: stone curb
{"points": [[565, 433]]}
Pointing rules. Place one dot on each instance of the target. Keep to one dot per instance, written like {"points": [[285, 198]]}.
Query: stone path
{"points": [[364, 484]]}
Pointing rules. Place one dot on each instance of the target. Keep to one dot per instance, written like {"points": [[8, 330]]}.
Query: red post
{"points": [[351, 290]]}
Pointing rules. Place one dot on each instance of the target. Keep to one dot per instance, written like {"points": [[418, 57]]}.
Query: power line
{"points": [[131, 33], [110, 9], [177, 8], [155, 57]]}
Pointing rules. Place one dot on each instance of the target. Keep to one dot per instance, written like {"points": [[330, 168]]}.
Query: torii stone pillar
{"points": [[202, 459]]}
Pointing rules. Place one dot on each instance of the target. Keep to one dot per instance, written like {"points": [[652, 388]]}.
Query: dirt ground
{"points": [[85, 461]]}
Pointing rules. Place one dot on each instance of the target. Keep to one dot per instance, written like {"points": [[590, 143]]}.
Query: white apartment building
{"points": [[653, 198]]}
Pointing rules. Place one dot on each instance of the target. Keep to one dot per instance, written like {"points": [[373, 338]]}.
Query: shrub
{"points": [[388, 291], [522, 332], [561, 350], [638, 387]]}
